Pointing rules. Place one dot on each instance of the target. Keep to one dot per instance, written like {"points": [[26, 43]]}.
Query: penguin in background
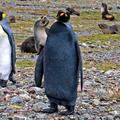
{"points": [[7, 52], [105, 14], [40, 33]]}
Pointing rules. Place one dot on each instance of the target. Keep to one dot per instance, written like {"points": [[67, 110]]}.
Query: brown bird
{"points": [[105, 14], [71, 11]]}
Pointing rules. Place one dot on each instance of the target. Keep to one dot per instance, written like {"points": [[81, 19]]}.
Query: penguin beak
{"points": [[3, 15]]}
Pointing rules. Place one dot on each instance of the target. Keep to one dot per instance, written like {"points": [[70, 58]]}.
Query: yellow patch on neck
{"points": [[3, 15]]}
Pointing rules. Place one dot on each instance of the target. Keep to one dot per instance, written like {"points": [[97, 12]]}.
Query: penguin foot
{"points": [[3, 83], [13, 81], [49, 110], [65, 113]]}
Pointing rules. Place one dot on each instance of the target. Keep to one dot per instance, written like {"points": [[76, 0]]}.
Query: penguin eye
{"points": [[41, 17], [45, 18], [61, 14]]}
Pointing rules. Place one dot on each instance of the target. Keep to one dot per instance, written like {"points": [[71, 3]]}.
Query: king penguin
{"points": [[7, 52]]}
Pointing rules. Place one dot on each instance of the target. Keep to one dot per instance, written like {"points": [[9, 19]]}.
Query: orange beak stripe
{"points": [[62, 14]]}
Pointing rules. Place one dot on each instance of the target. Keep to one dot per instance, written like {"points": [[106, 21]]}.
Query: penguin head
{"points": [[104, 8], [42, 22], [2, 15], [63, 16], [72, 11]]}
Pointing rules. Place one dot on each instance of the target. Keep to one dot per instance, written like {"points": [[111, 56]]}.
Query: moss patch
{"points": [[104, 66], [107, 65], [25, 63], [99, 37]]}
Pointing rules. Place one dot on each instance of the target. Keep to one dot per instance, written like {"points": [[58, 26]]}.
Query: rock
{"points": [[101, 92], [16, 99], [87, 116], [116, 117], [38, 106], [40, 116], [109, 117], [96, 102], [35, 90], [84, 45], [2, 107], [7, 97], [19, 117], [104, 103], [25, 97]]}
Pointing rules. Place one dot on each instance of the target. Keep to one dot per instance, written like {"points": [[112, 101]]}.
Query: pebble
{"points": [[16, 99]]}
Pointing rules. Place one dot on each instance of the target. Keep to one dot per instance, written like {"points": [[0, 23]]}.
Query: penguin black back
{"points": [[1, 15]]}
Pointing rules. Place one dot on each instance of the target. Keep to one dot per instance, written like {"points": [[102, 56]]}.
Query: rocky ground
{"points": [[100, 99]]}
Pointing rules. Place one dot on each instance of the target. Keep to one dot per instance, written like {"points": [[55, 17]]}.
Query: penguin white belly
{"points": [[5, 55], [42, 36]]}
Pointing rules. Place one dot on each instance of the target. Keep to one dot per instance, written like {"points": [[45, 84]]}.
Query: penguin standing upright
{"points": [[7, 52], [40, 33], [61, 64], [105, 14]]}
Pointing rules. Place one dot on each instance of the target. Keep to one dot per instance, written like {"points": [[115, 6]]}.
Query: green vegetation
{"points": [[104, 66], [87, 22], [99, 37], [107, 65], [25, 63]]}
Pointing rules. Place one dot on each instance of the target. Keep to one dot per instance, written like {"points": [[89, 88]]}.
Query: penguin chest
{"points": [[5, 51], [42, 37], [5, 48]]}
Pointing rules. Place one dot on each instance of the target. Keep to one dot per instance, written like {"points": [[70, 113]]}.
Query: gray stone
{"points": [[16, 99], [38, 106], [41, 116]]}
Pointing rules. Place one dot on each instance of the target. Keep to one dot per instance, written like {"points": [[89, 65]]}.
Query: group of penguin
{"points": [[28, 45], [7, 43], [7, 47]]}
